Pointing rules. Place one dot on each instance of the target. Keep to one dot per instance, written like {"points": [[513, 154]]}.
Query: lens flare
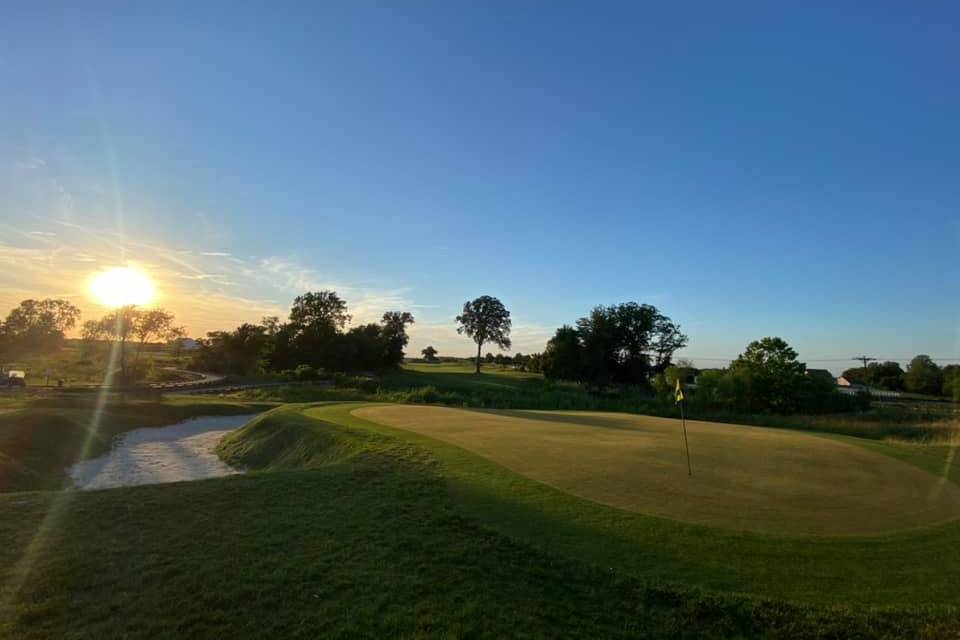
{"points": [[122, 286]]}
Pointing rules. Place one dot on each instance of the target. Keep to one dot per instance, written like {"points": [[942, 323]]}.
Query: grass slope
{"points": [[351, 529], [39, 438]]}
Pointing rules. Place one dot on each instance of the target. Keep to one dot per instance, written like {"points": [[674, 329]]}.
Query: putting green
{"points": [[745, 478]]}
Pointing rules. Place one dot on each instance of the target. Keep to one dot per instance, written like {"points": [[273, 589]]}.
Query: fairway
{"points": [[745, 478]]}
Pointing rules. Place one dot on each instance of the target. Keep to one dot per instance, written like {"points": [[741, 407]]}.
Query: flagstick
{"points": [[685, 443]]}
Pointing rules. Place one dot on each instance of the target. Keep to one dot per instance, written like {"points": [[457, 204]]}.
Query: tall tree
{"points": [[319, 310], [563, 357], [626, 342], [118, 325], [924, 376], [429, 353], [39, 324], [152, 324], [485, 319], [394, 336], [769, 369]]}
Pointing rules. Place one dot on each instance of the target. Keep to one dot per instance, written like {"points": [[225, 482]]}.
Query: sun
{"points": [[121, 286]]}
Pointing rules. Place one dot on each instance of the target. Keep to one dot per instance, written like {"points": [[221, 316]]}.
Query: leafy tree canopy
{"points": [[485, 319]]}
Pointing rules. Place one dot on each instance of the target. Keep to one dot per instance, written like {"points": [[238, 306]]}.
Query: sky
{"points": [[750, 168]]}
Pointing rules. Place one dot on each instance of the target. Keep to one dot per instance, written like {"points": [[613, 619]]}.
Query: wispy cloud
{"points": [[30, 164]]}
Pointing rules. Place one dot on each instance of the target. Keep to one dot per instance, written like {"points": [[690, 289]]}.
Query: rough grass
{"points": [[350, 529], [77, 367], [40, 437]]}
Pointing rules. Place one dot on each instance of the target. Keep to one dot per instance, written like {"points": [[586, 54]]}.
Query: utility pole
{"points": [[863, 359]]}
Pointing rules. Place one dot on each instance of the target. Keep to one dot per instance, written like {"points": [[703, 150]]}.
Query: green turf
{"points": [[896, 569], [351, 531]]}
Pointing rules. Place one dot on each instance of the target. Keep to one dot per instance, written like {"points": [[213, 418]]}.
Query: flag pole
{"points": [[678, 395]]}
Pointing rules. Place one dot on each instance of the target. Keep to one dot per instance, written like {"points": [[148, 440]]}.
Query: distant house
{"points": [[851, 384], [853, 387]]}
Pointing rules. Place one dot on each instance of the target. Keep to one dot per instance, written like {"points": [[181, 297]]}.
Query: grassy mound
{"points": [[39, 440]]}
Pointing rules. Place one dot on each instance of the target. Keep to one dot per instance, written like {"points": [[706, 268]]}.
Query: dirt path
{"points": [[183, 451]]}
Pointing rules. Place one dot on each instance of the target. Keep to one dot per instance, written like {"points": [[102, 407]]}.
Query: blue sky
{"points": [[750, 168]]}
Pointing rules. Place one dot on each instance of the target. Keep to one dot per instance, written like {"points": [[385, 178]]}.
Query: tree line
{"points": [[314, 338], [922, 375], [620, 344]]}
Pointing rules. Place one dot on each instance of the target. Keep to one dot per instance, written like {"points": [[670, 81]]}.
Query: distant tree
{"points": [[885, 375], [924, 376], [534, 363], [394, 336], [237, 352], [951, 381], [119, 326], [489, 358], [626, 343], [314, 331], [38, 325], [271, 325], [502, 359], [152, 324], [563, 357], [485, 319], [769, 368], [319, 311], [429, 354]]}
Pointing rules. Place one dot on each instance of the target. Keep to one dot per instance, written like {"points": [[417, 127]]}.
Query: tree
{"points": [[485, 320], [563, 357], [319, 310], [924, 376], [39, 325], [429, 353], [394, 336], [774, 379], [238, 352], [152, 324], [118, 326], [951, 381], [885, 375], [317, 320], [626, 343]]}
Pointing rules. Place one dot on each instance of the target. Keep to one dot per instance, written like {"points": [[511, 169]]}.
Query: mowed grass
{"points": [[351, 529], [907, 568], [748, 478]]}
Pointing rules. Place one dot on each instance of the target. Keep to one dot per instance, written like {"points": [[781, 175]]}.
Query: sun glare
{"points": [[121, 286]]}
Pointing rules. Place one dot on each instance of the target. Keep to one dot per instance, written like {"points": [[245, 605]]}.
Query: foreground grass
{"points": [[349, 530], [41, 436]]}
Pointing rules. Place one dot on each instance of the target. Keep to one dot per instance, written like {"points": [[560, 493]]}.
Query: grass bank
{"points": [[40, 437]]}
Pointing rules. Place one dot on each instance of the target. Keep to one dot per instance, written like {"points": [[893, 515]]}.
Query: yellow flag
{"points": [[679, 392]]}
